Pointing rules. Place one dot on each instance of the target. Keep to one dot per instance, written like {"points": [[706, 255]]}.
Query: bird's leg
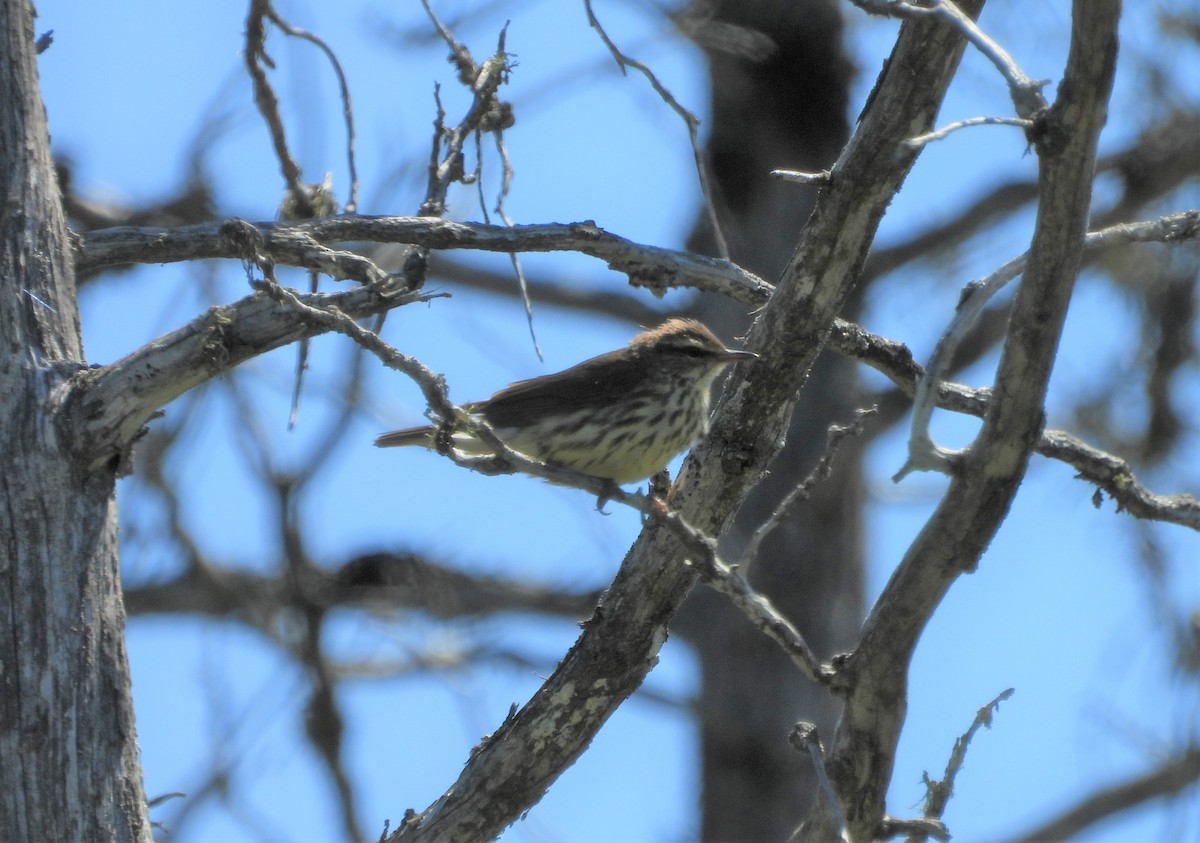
{"points": [[660, 487], [611, 489]]}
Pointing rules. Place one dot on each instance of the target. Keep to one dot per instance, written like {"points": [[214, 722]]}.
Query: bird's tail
{"points": [[408, 436]]}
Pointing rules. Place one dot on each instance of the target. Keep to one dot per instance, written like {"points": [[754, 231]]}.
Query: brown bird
{"points": [[621, 416]]}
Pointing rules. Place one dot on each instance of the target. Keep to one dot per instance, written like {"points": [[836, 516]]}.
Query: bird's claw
{"points": [[611, 490]]}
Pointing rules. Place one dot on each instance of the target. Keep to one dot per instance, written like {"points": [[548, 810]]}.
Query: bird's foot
{"points": [[659, 489], [611, 489]]}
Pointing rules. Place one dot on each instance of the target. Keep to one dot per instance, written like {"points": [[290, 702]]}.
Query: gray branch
{"points": [[1172, 776], [108, 406], [620, 643], [302, 244], [862, 754], [923, 453]]}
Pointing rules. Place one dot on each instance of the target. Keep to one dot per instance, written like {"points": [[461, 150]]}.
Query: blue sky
{"points": [[1058, 609]]}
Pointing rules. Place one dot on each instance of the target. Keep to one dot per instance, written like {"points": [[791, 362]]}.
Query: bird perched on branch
{"points": [[621, 416]]}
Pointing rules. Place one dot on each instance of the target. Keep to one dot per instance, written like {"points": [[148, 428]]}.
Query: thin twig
{"points": [[347, 106], [818, 178], [923, 453], [503, 119], [727, 580], [460, 56], [431, 384], [804, 738], [689, 119], [255, 55], [301, 364], [939, 134], [484, 81], [302, 201], [833, 440], [514, 257], [1026, 93], [938, 793]]}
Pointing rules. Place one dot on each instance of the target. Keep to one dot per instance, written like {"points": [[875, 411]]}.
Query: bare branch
{"points": [[377, 581], [938, 793], [892, 826], [1171, 777], [112, 403], [486, 112], [689, 119], [344, 90], [1148, 168], [1112, 474], [798, 177], [977, 501], [560, 292], [820, 472], [727, 580], [1026, 93], [923, 454], [511, 769], [647, 266], [945, 131], [804, 738], [497, 117], [255, 55], [300, 244]]}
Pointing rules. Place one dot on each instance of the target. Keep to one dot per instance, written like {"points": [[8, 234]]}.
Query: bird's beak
{"points": [[732, 355]]}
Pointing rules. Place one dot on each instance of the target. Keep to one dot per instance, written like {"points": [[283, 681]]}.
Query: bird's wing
{"points": [[595, 382]]}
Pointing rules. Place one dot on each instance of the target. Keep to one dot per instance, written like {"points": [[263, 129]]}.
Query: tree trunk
{"points": [[69, 767], [780, 104]]}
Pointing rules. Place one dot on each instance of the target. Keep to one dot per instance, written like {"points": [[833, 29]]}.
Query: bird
{"points": [[621, 416]]}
